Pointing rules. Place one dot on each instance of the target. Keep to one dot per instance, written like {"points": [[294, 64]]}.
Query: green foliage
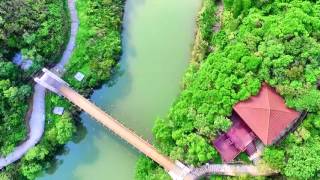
{"points": [[207, 19], [228, 4], [36, 153], [193, 148], [39, 28], [13, 108], [97, 51], [149, 170], [211, 127], [99, 42], [274, 157], [62, 131], [4, 176], [275, 42], [31, 170], [238, 7], [304, 161], [59, 130]]}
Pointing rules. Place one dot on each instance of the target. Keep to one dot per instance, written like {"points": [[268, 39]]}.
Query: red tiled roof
{"points": [[266, 114]]}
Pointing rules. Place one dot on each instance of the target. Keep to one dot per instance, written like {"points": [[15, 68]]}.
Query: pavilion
{"points": [[264, 116]]}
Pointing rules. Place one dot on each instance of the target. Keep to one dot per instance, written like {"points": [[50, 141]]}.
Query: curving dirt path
{"points": [[37, 119]]}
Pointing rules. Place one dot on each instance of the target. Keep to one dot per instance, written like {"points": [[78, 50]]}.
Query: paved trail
{"points": [[37, 120], [232, 170]]}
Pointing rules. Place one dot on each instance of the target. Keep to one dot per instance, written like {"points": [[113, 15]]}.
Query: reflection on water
{"points": [[157, 41]]}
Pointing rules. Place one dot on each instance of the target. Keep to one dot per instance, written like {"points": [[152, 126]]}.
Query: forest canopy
{"points": [[38, 30], [43, 40], [260, 41]]}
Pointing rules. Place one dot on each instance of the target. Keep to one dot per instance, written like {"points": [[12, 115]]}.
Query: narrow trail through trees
{"points": [[37, 119]]}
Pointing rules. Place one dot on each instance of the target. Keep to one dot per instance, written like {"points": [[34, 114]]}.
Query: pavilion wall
{"points": [[292, 127]]}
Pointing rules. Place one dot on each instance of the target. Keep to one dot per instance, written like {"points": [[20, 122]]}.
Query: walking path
{"points": [[232, 170], [37, 120]]}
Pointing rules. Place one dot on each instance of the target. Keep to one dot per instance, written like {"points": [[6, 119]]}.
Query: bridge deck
{"points": [[116, 127], [177, 170]]}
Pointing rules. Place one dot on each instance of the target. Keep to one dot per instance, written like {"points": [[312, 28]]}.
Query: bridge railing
{"points": [[60, 87]]}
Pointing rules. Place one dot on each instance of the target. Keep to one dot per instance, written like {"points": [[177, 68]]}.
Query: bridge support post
{"points": [[179, 172], [47, 81], [55, 77], [46, 85]]}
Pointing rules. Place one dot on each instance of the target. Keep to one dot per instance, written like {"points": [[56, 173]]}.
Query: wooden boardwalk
{"points": [[52, 82], [117, 127]]}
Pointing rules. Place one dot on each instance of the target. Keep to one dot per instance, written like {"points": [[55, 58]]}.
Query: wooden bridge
{"points": [[176, 169], [51, 81]]}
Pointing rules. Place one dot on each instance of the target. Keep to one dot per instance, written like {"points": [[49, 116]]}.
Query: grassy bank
{"points": [[257, 43]]}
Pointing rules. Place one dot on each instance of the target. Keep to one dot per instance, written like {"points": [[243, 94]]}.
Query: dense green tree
{"points": [[63, 130], [37, 26], [206, 19], [36, 153], [99, 43], [304, 161], [274, 157], [31, 170], [150, 170], [39, 30]]}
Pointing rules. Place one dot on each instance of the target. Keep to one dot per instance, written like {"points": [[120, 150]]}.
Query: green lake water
{"points": [[157, 43]]}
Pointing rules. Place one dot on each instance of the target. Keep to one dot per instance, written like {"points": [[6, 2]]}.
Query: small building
{"points": [[264, 117], [239, 138], [58, 110], [79, 76]]}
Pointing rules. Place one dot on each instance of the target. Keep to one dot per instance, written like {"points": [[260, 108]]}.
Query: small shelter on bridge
{"points": [[264, 116]]}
